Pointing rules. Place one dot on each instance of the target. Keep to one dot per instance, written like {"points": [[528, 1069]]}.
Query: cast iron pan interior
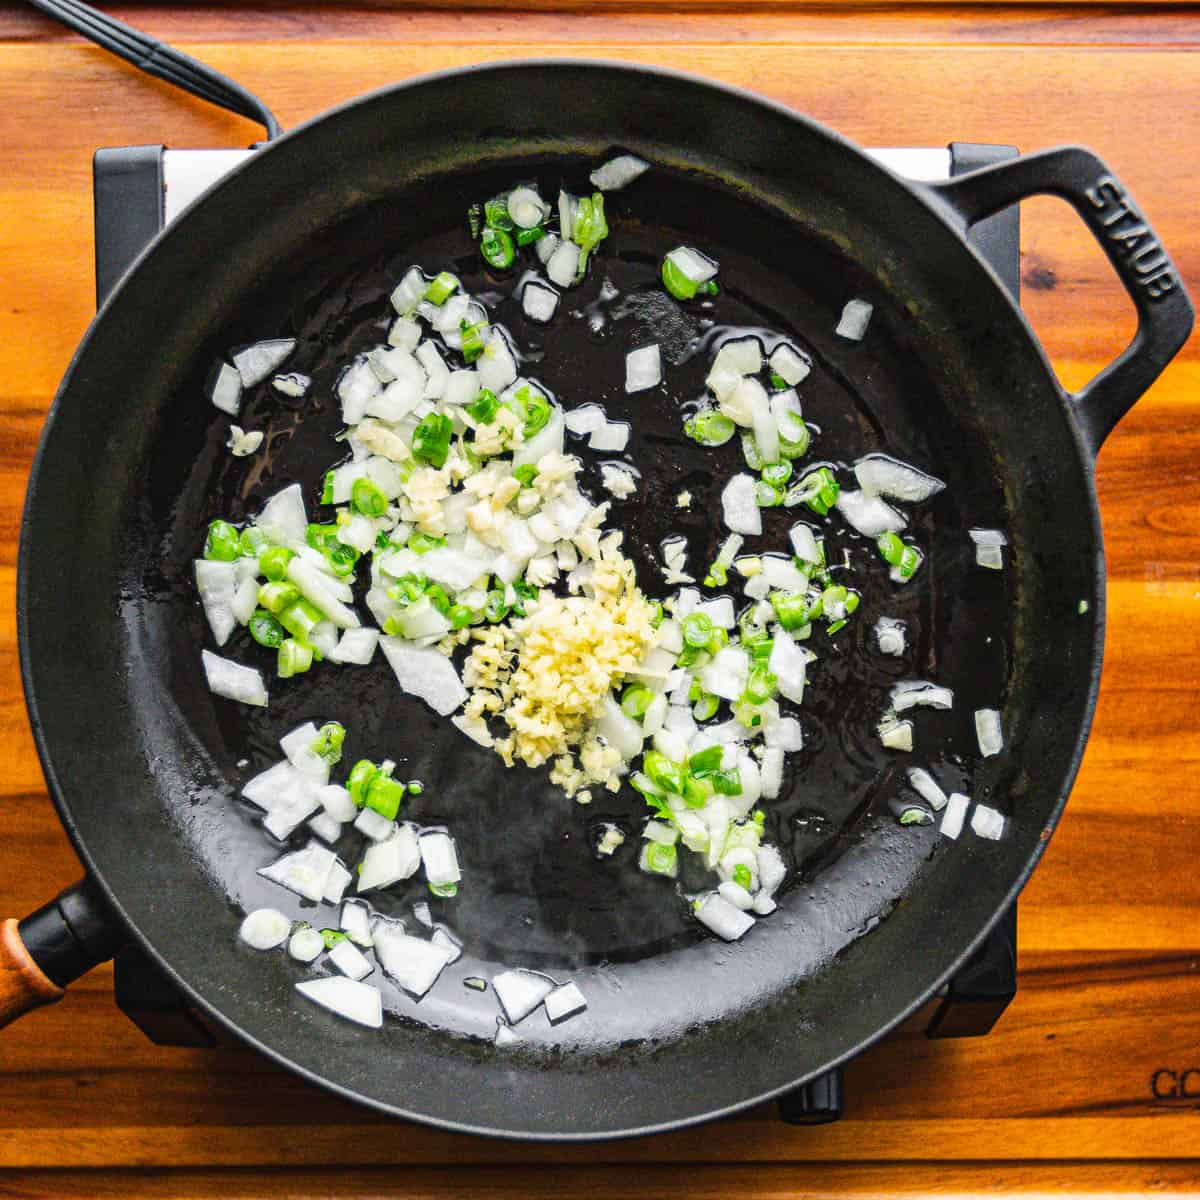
{"points": [[306, 241]]}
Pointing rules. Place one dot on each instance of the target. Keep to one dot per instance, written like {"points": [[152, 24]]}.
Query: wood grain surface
{"points": [[1062, 1096]]}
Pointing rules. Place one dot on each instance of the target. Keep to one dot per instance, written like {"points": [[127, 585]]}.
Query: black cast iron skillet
{"points": [[305, 239]]}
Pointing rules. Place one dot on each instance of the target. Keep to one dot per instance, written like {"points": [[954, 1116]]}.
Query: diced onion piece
{"points": [[520, 992], [426, 674], [789, 364], [539, 301], [390, 861], [292, 809], [896, 735], [692, 265], [564, 1001], [991, 557], [265, 928], [563, 265], [350, 960], [621, 732], [724, 919], [804, 543], [356, 388], [412, 962], [440, 858], [952, 818], [233, 681], [926, 787], [771, 772], [548, 440], [789, 664], [643, 368], [355, 646], [587, 418], [719, 611], [989, 732], [506, 1036], [914, 693], [357, 1002], [294, 384], [526, 207], [256, 362], [314, 586], [567, 204], [772, 870], [337, 883], [783, 574], [766, 432], [496, 366], [284, 518], [856, 316], [889, 636], [374, 825], [245, 601], [216, 583], [475, 728], [304, 872], [225, 391], [437, 374], [618, 172], [870, 515], [306, 944], [785, 733], [449, 946], [743, 355], [987, 823], [409, 292], [736, 895], [739, 505], [726, 675], [879, 475], [335, 800], [266, 786], [405, 333], [612, 437], [655, 715], [355, 921]]}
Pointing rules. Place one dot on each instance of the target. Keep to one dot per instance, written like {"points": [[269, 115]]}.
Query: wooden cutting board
{"points": [[1091, 1082]]}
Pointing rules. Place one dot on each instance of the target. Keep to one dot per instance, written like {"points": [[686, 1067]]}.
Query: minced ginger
{"points": [[546, 675]]}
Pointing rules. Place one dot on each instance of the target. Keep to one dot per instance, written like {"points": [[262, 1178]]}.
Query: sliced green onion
{"points": [[766, 495], [635, 699], [442, 288], [320, 537], [742, 876], [705, 707], [910, 560], [657, 612], [273, 562], [328, 742], [475, 219], [698, 630], [795, 609], [697, 791], [265, 630], [294, 658], [360, 778], [589, 227], [438, 598], [300, 618], [663, 772], [891, 548], [415, 787], [460, 616], [252, 542], [641, 782], [661, 859], [223, 542], [777, 474], [709, 428], [676, 282], [750, 452], [819, 490], [383, 795], [524, 591], [496, 246], [799, 447], [760, 687], [727, 783], [495, 609], [444, 891], [483, 408], [525, 474], [526, 237], [422, 543], [778, 382], [343, 559], [706, 760], [333, 937], [408, 589], [747, 713], [472, 339], [495, 212], [431, 439], [367, 498], [275, 597]]}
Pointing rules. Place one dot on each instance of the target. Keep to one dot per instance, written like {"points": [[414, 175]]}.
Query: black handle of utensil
{"points": [[1165, 313], [52, 947]]}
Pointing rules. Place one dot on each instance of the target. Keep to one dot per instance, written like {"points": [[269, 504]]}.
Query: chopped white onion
{"points": [[374, 825], [412, 962], [643, 368], [621, 732], [409, 292], [782, 573], [618, 172], [692, 265], [914, 693], [671, 743], [785, 733], [539, 301], [233, 681], [989, 732], [612, 436], [520, 992], [356, 388], [719, 612], [736, 895], [870, 515], [789, 664], [337, 883], [356, 646], [526, 207], [304, 872], [563, 265], [448, 945], [545, 247], [306, 944], [323, 825], [355, 922], [426, 674], [350, 960], [548, 440], [896, 735], [987, 823], [587, 418], [437, 374], [440, 858], [789, 364], [952, 818], [739, 505], [926, 787], [215, 581], [564, 1001], [294, 384], [804, 543], [743, 355], [724, 919], [284, 518], [506, 1036], [496, 366], [256, 362], [388, 862], [225, 391], [405, 334], [879, 475], [771, 772], [889, 636], [726, 675], [358, 1002], [315, 586], [991, 557], [265, 928], [856, 316]]}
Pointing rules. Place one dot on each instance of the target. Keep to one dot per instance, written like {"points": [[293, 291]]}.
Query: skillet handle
{"points": [[1165, 313], [61, 941]]}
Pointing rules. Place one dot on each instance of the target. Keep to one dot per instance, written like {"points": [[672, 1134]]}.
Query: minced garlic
{"points": [[547, 675]]}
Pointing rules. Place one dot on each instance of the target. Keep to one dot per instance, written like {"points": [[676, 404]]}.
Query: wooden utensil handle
{"points": [[23, 984]]}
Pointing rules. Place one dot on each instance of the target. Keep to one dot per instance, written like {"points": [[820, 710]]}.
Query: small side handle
{"points": [[1165, 312], [52, 947]]}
